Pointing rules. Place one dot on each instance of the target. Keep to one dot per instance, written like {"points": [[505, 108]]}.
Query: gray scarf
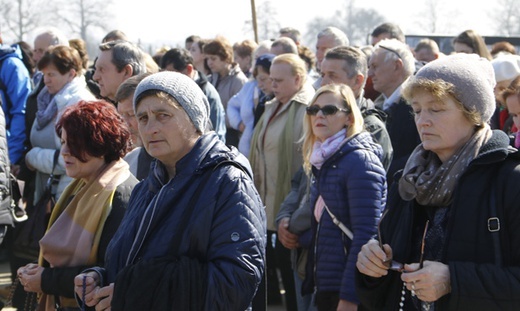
{"points": [[47, 108], [431, 182]]}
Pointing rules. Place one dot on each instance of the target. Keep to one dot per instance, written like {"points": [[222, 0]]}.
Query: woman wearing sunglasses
{"points": [[452, 215], [348, 183]]}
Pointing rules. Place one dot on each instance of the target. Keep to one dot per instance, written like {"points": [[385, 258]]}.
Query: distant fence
{"points": [[446, 46]]}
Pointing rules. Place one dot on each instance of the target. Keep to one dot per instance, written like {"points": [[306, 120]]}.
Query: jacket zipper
{"points": [[131, 258]]}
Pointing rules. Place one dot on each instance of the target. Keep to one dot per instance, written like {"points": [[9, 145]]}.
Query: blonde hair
{"points": [[440, 89], [346, 96], [298, 66]]}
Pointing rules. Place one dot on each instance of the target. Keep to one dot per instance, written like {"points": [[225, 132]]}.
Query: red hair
{"points": [[94, 128]]}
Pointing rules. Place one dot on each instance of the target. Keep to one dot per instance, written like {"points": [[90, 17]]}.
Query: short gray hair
{"points": [[395, 50], [340, 38], [355, 59], [287, 45], [125, 53]]}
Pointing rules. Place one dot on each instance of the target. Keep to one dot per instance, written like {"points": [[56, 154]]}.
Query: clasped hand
{"points": [[429, 283], [92, 293]]}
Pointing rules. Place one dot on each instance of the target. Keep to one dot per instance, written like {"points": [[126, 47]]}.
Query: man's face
{"points": [[383, 73], [41, 44], [333, 72], [107, 75], [322, 46], [126, 110]]}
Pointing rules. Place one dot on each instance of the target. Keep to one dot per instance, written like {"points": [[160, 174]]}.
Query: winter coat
{"points": [[403, 134], [477, 283], [217, 115], [267, 160], [240, 109], [352, 182], [217, 257], [374, 120], [229, 85], [45, 141], [17, 82]]}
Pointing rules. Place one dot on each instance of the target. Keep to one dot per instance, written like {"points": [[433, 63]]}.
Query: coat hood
{"points": [[10, 51]]}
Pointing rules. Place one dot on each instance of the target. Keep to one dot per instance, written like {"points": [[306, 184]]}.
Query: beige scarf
{"points": [[74, 229], [431, 182]]}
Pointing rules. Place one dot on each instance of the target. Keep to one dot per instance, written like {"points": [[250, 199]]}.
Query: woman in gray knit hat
{"points": [[194, 234], [448, 238]]}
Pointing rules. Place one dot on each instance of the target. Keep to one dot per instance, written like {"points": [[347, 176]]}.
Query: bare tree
{"points": [[268, 25], [84, 16], [356, 22], [436, 17], [505, 17], [21, 17]]}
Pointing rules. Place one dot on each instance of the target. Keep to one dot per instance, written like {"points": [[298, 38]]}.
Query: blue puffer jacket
{"points": [[352, 183], [224, 238]]}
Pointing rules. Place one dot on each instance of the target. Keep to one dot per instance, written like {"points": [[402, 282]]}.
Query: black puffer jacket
{"points": [[477, 283]]}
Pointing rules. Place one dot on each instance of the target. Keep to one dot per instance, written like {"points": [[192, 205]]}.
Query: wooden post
{"points": [[253, 14]]}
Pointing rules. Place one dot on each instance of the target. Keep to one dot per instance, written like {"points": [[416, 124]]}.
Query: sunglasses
{"points": [[395, 265], [327, 110]]}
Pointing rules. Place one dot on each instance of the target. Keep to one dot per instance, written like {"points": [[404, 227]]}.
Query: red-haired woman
{"points": [[94, 140]]}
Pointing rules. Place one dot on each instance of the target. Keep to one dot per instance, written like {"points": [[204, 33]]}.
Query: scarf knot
{"points": [[432, 182], [321, 151]]}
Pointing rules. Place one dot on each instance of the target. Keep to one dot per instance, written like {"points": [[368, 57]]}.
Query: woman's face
{"points": [[77, 169], [196, 53], [513, 106], [263, 80], [325, 126], [216, 65], [167, 132], [54, 80], [442, 126], [284, 84]]}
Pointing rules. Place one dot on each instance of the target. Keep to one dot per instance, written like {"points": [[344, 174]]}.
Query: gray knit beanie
{"points": [[184, 90], [472, 76]]}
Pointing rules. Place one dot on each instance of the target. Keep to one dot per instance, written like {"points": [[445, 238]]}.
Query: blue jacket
{"points": [[17, 81], [241, 108], [217, 115], [352, 183], [225, 235]]}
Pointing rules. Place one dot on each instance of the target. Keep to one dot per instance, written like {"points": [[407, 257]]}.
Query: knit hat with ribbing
{"points": [[472, 76], [184, 90]]}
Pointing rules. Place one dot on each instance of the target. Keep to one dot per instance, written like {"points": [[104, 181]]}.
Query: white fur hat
{"points": [[507, 67]]}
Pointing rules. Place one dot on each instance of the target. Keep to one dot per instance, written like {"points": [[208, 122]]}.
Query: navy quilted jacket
{"points": [[352, 183], [223, 241]]}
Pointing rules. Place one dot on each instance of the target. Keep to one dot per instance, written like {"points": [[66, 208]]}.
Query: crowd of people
{"points": [[220, 176]]}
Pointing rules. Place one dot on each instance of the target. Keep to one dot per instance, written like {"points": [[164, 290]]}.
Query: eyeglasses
{"points": [[395, 265], [326, 110], [391, 50]]}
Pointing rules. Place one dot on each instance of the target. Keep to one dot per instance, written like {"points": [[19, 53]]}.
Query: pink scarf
{"points": [[321, 151], [517, 139]]}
